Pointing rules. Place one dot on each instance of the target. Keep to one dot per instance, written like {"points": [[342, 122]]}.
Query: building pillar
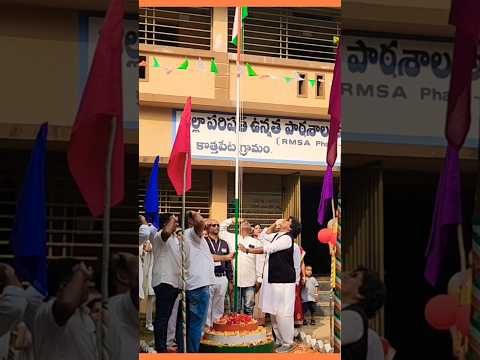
{"points": [[218, 210], [219, 45]]}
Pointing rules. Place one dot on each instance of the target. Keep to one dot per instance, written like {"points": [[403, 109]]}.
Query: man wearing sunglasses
{"points": [[223, 271]]}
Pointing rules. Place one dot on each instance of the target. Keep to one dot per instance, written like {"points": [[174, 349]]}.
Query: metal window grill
{"points": [[290, 33], [180, 27], [71, 230], [198, 198], [258, 207]]}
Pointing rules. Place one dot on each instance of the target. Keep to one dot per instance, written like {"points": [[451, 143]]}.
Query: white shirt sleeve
{"points": [[34, 301], [143, 233], [297, 258], [12, 307], [259, 263], [281, 243], [352, 327], [375, 347]]}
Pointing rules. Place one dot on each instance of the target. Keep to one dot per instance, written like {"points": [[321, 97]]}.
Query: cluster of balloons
{"points": [[443, 312], [329, 234]]}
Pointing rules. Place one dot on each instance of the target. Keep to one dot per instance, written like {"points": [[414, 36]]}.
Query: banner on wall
{"points": [[130, 65], [262, 139], [400, 88]]}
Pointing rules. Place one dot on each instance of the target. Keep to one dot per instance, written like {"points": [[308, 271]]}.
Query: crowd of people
{"points": [[271, 278], [67, 323]]}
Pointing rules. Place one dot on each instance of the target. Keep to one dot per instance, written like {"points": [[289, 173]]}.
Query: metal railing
{"points": [[181, 27], [290, 33]]}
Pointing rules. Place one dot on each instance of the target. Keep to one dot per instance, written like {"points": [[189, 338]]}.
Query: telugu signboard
{"points": [[129, 69], [396, 91], [262, 139]]}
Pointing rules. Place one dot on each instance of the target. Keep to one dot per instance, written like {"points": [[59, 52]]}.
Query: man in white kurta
{"points": [[278, 299], [249, 265]]}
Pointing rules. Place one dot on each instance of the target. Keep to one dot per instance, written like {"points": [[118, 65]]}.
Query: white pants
{"points": [[172, 324], [150, 302], [284, 328], [216, 305]]}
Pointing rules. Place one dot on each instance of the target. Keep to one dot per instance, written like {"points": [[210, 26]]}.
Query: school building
{"points": [[284, 100], [47, 46]]}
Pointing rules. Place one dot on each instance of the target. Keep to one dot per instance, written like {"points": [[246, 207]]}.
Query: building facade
{"points": [[284, 95], [51, 43]]}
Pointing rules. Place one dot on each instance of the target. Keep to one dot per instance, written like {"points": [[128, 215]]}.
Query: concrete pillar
{"points": [[219, 45], [218, 209]]}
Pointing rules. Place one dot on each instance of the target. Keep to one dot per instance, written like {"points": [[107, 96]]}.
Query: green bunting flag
{"points": [[312, 83], [184, 65], [213, 67], [250, 70], [288, 79], [155, 63]]}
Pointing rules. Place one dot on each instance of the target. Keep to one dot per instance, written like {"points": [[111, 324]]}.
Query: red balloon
{"points": [[441, 311], [325, 236], [333, 239], [463, 319]]}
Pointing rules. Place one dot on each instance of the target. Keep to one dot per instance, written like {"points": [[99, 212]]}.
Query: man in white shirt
{"points": [[250, 266], [165, 279], [146, 234], [63, 328], [199, 277]]}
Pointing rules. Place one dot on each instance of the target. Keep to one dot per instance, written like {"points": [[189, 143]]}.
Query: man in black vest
{"points": [[363, 294], [280, 277]]}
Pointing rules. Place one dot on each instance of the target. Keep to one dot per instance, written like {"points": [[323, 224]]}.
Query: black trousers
{"points": [[309, 306], [165, 296]]}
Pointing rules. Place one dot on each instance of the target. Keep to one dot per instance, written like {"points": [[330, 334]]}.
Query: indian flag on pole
{"points": [[244, 10]]}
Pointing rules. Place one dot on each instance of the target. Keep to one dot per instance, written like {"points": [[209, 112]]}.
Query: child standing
{"points": [[309, 295]]}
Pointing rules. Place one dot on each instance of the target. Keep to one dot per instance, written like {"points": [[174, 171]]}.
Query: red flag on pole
{"points": [[180, 152], [465, 16], [335, 109], [100, 104]]}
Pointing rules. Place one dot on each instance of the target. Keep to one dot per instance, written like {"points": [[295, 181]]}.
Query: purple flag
{"points": [[447, 214], [327, 195]]}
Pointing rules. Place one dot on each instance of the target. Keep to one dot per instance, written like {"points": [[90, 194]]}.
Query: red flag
{"points": [[465, 15], [181, 152], [335, 109], [100, 103]]}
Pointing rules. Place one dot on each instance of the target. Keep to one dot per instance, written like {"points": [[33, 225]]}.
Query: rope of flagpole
{"points": [[338, 280], [183, 254]]}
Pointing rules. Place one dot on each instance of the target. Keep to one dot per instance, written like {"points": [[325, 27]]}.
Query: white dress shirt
{"points": [[166, 260], [199, 261], [250, 266]]}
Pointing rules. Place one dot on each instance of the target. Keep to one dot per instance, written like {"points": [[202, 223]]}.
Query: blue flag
{"points": [[151, 198], [29, 240]]}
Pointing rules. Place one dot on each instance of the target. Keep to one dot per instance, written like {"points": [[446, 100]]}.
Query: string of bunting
{"points": [[250, 71]]}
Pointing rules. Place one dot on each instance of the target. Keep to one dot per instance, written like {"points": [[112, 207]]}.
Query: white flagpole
{"points": [[237, 158], [101, 335], [182, 249]]}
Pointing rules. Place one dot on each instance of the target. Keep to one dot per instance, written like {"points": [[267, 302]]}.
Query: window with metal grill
{"points": [[290, 33], [71, 230], [181, 27], [198, 198], [261, 201]]}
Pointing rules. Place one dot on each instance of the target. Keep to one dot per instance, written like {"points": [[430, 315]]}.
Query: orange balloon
{"points": [[325, 236], [462, 322], [441, 312]]}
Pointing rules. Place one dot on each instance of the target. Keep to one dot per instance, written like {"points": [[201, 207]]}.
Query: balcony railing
{"points": [[290, 33], [181, 27]]}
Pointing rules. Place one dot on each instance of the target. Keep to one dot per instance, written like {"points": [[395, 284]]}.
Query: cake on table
{"points": [[236, 333]]}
